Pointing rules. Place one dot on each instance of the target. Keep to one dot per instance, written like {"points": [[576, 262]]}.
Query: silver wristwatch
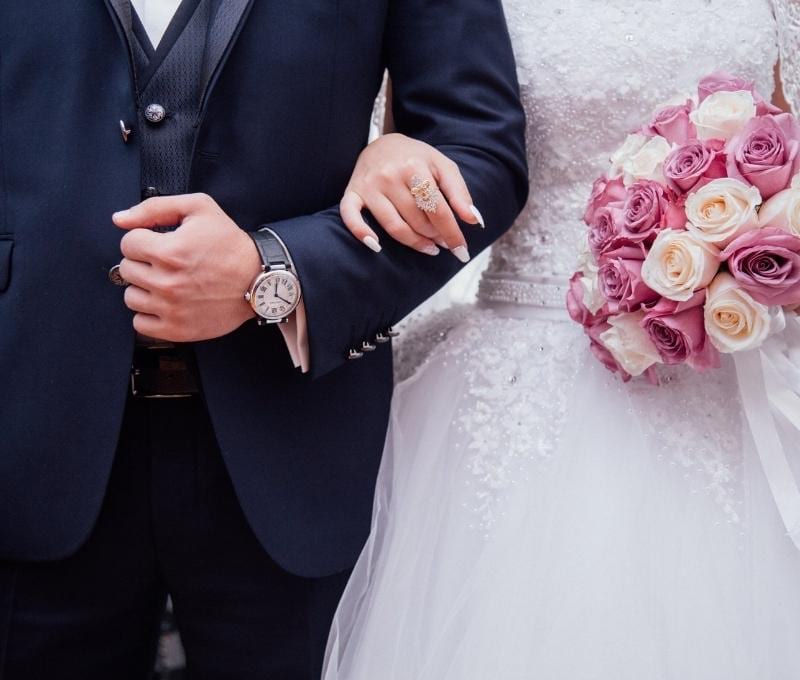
{"points": [[275, 292]]}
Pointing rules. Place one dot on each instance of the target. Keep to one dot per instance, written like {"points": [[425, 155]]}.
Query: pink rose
{"points": [[620, 280], [766, 264], [649, 208], [677, 329], [605, 192], [673, 124], [765, 153], [723, 82], [578, 311], [600, 351], [694, 164], [605, 228]]}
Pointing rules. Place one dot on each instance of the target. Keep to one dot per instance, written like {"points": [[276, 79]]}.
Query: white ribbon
{"points": [[769, 385]]}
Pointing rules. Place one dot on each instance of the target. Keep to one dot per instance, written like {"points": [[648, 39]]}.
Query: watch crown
{"points": [[247, 296]]}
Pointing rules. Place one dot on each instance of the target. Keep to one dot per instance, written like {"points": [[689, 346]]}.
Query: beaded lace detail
{"points": [[787, 14], [591, 72]]}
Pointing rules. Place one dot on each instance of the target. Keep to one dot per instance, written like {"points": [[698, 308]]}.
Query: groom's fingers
{"points": [[163, 211]]}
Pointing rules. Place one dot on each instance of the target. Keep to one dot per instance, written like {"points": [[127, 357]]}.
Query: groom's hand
{"points": [[187, 284]]}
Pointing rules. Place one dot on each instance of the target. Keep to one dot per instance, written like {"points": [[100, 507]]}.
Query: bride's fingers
{"points": [[350, 209], [446, 230], [454, 188], [386, 213]]}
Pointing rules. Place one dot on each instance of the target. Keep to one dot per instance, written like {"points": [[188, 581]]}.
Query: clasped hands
{"points": [[188, 284]]}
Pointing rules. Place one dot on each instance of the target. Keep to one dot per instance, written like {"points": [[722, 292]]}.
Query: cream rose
{"points": [[678, 264], [632, 145], [647, 162], [722, 114], [782, 211], [734, 321], [722, 210], [629, 344]]}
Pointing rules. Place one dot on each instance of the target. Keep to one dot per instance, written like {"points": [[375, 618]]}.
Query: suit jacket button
{"points": [[354, 354], [380, 338], [155, 113], [150, 192], [367, 347]]}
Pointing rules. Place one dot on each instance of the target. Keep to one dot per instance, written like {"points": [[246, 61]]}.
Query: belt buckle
{"points": [[136, 392], [141, 384]]}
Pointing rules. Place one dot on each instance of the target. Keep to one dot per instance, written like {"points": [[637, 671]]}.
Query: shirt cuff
{"points": [[295, 335]]}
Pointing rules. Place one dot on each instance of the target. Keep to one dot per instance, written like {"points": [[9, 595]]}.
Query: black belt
{"points": [[164, 373]]}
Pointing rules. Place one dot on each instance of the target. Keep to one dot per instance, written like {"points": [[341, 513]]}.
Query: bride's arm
{"points": [[381, 184], [779, 96]]}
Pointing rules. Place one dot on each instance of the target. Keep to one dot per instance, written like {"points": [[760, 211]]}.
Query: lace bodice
{"points": [[590, 72]]}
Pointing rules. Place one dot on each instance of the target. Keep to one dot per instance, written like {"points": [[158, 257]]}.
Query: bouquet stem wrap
{"points": [[769, 385]]}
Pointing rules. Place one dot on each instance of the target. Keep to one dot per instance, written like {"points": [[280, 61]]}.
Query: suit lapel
{"points": [[122, 13], [227, 20], [121, 9]]}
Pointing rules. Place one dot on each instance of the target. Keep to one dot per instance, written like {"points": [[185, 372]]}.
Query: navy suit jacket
{"points": [[282, 123]]}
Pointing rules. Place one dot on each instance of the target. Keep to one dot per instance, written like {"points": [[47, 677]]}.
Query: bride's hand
{"points": [[382, 183]]}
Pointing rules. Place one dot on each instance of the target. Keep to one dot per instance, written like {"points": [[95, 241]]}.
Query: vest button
{"points": [[155, 113]]}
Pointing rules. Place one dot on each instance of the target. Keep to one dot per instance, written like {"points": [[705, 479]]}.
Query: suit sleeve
{"points": [[455, 87]]}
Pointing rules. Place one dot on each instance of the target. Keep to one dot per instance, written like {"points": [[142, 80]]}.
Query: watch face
{"points": [[276, 295]]}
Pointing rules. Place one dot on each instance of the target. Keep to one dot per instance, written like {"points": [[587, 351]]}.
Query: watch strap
{"points": [[272, 253]]}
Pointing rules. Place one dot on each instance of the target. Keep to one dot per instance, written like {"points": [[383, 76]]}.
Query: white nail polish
{"points": [[372, 243], [431, 250], [461, 253], [440, 242], [478, 216]]}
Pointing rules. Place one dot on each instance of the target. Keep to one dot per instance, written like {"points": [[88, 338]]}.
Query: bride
{"points": [[535, 517]]}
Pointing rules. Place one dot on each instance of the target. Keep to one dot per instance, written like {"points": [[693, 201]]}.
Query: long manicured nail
{"points": [[121, 214], [372, 243], [431, 250], [478, 216], [461, 253]]}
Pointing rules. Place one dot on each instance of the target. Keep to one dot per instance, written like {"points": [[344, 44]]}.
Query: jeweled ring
{"points": [[426, 194]]}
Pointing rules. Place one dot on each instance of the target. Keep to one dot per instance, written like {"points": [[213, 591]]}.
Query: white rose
{"points": [[722, 210], [782, 211], [593, 299], [647, 162], [678, 264], [723, 114], [632, 145], [734, 321], [629, 344]]}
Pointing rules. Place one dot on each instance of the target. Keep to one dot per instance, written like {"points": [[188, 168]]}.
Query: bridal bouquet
{"points": [[693, 242]]}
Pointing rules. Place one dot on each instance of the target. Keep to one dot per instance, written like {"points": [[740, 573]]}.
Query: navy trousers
{"points": [[170, 523]]}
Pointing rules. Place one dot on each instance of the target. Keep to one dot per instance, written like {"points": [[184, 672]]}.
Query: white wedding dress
{"points": [[536, 518]]}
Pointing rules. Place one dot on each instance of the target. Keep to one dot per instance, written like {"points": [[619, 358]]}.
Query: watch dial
{"points": [[277, 295]]}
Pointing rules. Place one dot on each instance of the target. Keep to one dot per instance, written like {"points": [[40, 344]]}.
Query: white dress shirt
{"points": [[155, 16]]}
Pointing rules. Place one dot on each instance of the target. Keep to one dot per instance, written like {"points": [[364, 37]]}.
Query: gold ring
{"points": [[426, 194]]}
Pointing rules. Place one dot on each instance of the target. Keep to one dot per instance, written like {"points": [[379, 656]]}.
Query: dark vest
{"points": [[169, 88]]}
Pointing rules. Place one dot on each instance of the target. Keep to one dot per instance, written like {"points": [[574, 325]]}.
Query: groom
{"points": [[154, 437]]}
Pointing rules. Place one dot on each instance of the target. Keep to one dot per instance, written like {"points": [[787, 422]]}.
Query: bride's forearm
{"points": [[779, 97]]}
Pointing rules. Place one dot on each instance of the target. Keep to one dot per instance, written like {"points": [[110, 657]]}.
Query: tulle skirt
{"points": [[535, 518]]}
